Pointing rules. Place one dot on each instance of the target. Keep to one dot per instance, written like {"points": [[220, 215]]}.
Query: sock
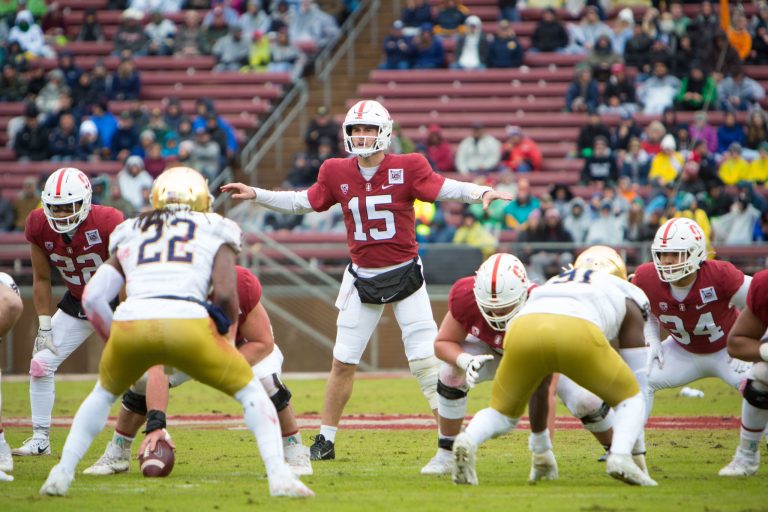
{"points": [[539, 442], [292, 439], [90, 419], [41, 395], [753, 422], [328, 432], [261, 420], [639, 447], [122, 440], [629, 421], [489, 423]]}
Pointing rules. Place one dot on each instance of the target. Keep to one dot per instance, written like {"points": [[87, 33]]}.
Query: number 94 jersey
{"points": [[78, 258], [173, 255]]}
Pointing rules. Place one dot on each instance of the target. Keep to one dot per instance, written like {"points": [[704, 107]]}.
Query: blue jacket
{"points": [[728, 135], [430, 58], [505, 53]]}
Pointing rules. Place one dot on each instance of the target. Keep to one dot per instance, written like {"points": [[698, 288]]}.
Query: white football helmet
{"points": [[370, 113], [685, 238], [501, 289], [67, 187]]}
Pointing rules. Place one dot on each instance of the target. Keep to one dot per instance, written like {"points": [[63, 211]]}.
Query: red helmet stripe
{"points": [[59, 182], [494, 274], [666, 232], [361, 109]]}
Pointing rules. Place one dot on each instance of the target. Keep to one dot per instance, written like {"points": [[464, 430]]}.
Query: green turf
{"points": [[378, 470]]}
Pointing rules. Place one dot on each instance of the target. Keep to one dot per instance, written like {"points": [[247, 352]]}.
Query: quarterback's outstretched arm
{"points": [[470, 193], [287, 201]]}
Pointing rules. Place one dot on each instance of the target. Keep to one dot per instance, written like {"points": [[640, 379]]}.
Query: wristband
{"points": [[155, 421], [44, 322], [764, 350], [463, 360]]}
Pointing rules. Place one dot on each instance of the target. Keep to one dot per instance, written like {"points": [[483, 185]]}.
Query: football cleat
{"points": [[6, 461], [283, 483], [33, 447], [57, 483], [743, 464], [322, 449], [297, 458], [622, 467], [441, 464], [114, 460], [639, 459], [5, 478], [543, 466], [464, 451]]}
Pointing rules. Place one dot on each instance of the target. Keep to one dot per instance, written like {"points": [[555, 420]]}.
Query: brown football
{"points": [[159, 462]]}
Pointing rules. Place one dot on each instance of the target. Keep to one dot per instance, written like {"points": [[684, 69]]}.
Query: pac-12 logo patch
{"points": [[475, 330], [395, 176], [708, 294], [93, 237], [663, 306], [344, 188], [48, 246]]}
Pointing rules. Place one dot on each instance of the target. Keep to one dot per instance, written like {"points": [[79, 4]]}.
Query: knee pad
{"points": [[135, 402], [451, 402], [38, 368], [599, 420], [426, 370], [277, 391], [756, 397], [759, 373]]}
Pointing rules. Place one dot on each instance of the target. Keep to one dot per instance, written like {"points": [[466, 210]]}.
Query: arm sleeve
{"points": [[462, 191], [651, 330], [284, 201], [739, 299]]}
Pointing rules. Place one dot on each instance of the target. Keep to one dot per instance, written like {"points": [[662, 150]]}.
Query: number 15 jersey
{"points": [[172, 256]]}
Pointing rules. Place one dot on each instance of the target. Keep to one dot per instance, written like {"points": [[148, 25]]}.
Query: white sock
{"points": [[41, 395], [753, 422], [261, 420], [539, 442], [291, 440], [639, 446], [90, 420], [489, 423], [121, 440], [328, 432], [628, 423]]}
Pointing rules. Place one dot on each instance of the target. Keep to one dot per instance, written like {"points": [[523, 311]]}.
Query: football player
{"points": [[696, 301], [72, 235], [376, 192], [569, 326], [10, 311], [255, 342], [747, 341], [170, 257]]}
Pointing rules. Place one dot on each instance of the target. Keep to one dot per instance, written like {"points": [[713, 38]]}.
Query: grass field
{"points": [[219, 469]]}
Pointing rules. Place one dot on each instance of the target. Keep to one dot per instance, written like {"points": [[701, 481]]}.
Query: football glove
{"points": [[44, 338], [655, 353], [472, 364]]}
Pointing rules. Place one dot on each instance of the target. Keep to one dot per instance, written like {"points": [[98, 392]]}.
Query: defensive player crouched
{"points": [[10, 311], [169, 258], [256, 343]]}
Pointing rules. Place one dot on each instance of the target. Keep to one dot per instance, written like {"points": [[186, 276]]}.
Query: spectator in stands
{"points": [[126, 82], [721, 57], [48, 100], [157, 124], [254, 19], [737, 226], [689, 180], [259, 53], [588, 133], [217, 28], [698, 91], [738, 34], [739, 92], [303, 173], [518, 210], [578, 220], [282, 16], [220, 11], [90, 30], [170, 146], [401, 143], [27, 200], [63, 140], [505, 50], [636, 163], [759, 53], [415, 14], [100, 78], [550, 34], [429, 50], [471, 232], [582, 94], [154, 162], [125, 140], [666, 164], [311, 24], [190, 39], [85, 93], [621, 87], [606, 229], [206, 154], [231, 51], [71, 71], [622, 30], [601, 165], [637, 48], [54, 24], [472, 46], [508, 11], [450, 17], [285, 57], [479, 153], [700, 129], [7, 218], [13, 87], [659, 91], [88, 143], [439, 150], [36, 79], [160, 32], [733, 167], [706, 161], [114, 199], [130, 35], [624, 132], [755, 130], [758, 168], [601, 57], [164, 6], [185, 131], [729, 132], [105, 122], [31, 142], [586, 33], [30, 36], [520, 153], [146, 139], [651, 140], [323, 125], [399, 49], [669, 120], [133, 181]]}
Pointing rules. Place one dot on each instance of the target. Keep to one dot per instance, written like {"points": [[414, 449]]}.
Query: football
{"points": [[159, 462]]}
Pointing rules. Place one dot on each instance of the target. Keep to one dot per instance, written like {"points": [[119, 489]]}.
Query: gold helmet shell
{"points": [[604, 259], [181, 186]]}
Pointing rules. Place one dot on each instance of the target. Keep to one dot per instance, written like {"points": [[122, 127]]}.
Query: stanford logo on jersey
{"points": [[498, 339]]}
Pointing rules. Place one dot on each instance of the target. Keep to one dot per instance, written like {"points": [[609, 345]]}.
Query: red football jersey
{"points": [[88, 248], [701, 322], [378, 213], [248, 296], [757, 297]]}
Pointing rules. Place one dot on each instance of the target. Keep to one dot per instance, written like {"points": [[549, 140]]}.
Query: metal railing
{"points": [[354, 26]]}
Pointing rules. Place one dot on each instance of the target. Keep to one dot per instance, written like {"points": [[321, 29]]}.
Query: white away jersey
{"points": [[171, 257], [591, 295]]}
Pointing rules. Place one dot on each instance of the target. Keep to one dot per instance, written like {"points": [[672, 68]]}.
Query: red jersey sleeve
{"points": [[729, 278], [248, 295], [757, 297], [32, 226], [319, 194], [426, 183]]}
